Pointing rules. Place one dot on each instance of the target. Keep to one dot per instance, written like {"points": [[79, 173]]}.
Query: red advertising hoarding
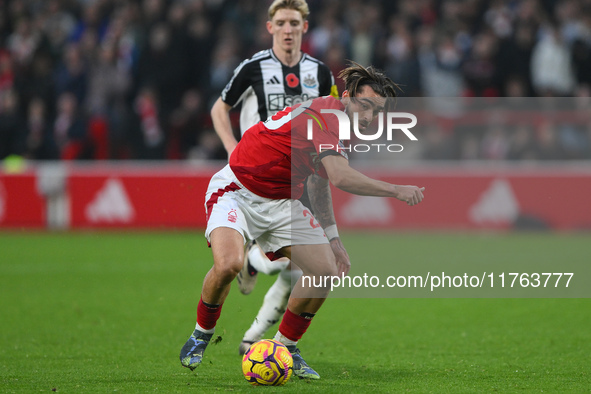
{"points": [[490, 199], [138, 198], [21, 204], [173, 197]]}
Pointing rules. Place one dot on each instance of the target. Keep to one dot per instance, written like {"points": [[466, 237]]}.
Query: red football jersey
{"points": [[275, 157]]}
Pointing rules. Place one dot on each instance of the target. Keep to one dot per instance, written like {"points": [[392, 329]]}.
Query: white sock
{"points": [[273, 307], [261, 263], [203, 330], [284, 340]]}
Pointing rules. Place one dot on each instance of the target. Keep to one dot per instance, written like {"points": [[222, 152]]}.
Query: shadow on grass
{"points": [[336, 378]]}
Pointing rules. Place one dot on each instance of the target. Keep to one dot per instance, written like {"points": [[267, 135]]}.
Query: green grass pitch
{"points": [[104, 312]]}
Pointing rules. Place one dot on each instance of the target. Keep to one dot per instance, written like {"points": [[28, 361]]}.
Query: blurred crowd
{"points": [[135, 79]]}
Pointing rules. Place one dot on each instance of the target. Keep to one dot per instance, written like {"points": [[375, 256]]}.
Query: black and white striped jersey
{"points": [[265, 85]]}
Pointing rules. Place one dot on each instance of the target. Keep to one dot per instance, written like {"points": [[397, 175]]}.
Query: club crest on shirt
{"points": [[310, 82]]}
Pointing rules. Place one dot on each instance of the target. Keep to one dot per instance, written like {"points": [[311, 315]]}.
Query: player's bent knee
{"points": [[228, 265], [327, 269], [227, 246], [314, 259], [330, 270]]}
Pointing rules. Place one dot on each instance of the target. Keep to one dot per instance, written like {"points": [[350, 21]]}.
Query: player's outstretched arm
{"points": [[321, 201], [352, 181], [220, 115]]}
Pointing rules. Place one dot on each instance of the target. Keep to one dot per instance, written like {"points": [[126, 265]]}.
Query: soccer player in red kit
{"points": [[272, 79], [255, 197]]}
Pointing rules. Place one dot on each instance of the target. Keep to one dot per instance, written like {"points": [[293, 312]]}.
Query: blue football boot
{"points": [[192, 351], [300, 368]]}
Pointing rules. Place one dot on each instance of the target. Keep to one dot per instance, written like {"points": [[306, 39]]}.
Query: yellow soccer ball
{"points": [[267, 363]]}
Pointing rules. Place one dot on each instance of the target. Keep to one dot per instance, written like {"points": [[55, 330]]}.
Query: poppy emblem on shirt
{"points": [[232, 216], [292, 80]]}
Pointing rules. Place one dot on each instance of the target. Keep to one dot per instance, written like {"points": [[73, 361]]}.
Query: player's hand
{"points": [[342, 257], [411, 195]]}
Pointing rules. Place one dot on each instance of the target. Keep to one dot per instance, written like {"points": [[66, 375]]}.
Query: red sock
{"points": [[294, 326], [207, 314]]}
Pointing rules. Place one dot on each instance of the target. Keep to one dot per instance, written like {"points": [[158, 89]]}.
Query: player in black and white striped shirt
{"points": [[274, 78], [266, 83]]}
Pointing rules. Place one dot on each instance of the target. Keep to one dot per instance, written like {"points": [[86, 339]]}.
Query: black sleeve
{"points": [[241, 80]]}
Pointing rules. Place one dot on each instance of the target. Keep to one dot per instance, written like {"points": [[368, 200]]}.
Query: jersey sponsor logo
{"points": [[232, 216], [273, 81], [310, 82], [111, 204], [278, 101], [292, 80]]}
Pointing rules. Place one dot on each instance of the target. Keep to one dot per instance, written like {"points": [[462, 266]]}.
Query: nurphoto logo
{"points": [[345, 130]]}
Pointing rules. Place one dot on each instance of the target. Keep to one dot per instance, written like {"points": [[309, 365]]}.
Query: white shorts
{"points": [[273, 223]]}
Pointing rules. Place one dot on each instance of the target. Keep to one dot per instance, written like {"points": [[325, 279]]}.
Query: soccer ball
{"points": [[267, 363]]}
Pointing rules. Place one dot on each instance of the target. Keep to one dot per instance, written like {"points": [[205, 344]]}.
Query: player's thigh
{"points": [[314, 260], [227, 246], [227, 231], [227, 212]]}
